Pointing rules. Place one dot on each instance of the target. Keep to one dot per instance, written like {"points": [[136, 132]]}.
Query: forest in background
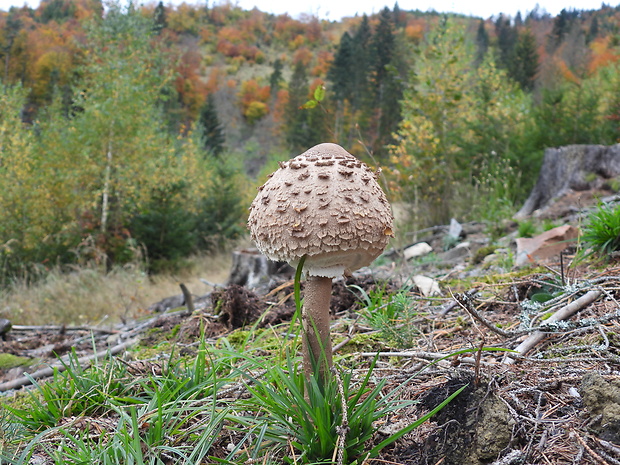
{"points": [[141, 132]]}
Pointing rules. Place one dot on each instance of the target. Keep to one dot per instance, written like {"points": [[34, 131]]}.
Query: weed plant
{"points": [[391, 315], [526, 228], [601, 232]]}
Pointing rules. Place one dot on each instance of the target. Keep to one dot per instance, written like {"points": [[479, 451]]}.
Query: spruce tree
{"points": [[304, 127], [276, 76], [524, 65], [361, 64], [159, 18], [340, 72], [482, 42], [382, 49], [506, 41], [211, 130], [388, 73]]}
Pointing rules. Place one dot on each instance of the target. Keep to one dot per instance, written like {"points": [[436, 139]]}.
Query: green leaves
{"points": [[318, 96]]}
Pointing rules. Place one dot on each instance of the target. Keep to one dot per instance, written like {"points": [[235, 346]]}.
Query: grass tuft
{"points": [[602, 230]]}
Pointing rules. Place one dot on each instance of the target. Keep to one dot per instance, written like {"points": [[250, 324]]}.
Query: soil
{"points": [[557, 404]]}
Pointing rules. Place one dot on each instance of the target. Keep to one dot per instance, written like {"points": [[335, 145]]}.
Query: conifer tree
{"points": [[304, 127], [482, 42], [382, 49], [524, 65], [506, 40], [276, 77], [389, 71], [211, 130], [340, 72], [159, 18], [361, 64]]}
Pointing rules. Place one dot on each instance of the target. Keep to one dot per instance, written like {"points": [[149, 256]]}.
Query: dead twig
{"points": [[593, 454], [562, 314], [465, 302]]}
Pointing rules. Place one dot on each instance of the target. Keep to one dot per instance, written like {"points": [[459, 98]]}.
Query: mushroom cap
{"points": [[325, 204]]}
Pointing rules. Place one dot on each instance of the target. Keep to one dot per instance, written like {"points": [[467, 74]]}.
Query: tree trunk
{"points": [[106, 187]]}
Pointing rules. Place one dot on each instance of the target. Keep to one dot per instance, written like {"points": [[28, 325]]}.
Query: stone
{"points": [[428, 287], [417, 250]]}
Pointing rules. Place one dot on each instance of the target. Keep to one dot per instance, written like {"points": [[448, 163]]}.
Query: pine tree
{"points": [[211, 130], [482, 42], [159, 18], [276, 77], [340, 72], [524, 65]]}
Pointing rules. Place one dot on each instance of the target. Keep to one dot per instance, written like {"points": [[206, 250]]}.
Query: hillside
{"points": [[141, 134]]}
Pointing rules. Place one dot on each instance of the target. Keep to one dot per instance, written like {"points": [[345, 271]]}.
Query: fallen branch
{"points": [[61, 366], [562, 314], [465, 302], [423, 355], [63, 329]]}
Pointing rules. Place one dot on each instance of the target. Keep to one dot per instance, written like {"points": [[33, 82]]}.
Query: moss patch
{"points": [[8, 361]]}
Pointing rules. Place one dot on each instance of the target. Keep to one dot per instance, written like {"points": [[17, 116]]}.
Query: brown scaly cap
{"points": [[325, 204]]}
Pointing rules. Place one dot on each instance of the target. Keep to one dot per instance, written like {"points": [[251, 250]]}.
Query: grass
{"points": [[90, 296], [390, 314], [180, 413], [601, 232]]}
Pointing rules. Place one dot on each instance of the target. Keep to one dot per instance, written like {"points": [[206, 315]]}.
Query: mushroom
{"points": [[327, 206]]}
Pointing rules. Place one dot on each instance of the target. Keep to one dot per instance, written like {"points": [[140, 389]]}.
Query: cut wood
{"points": [[60, 366], [562, 314], [571, 168]]}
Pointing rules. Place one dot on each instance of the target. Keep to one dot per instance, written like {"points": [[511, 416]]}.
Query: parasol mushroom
{"points": [[325, 205]]}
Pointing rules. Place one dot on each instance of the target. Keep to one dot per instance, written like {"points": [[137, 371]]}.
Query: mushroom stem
{"points": [[316, 345]]}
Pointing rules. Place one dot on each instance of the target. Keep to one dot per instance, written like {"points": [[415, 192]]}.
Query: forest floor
{"points": [[556, 401]]}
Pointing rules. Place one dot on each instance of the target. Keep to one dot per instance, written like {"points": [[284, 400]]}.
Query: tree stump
{"points": [[573, 167], [252, 269]]}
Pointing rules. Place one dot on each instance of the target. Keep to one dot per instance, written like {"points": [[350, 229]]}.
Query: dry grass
{"points": [[90, 296]]}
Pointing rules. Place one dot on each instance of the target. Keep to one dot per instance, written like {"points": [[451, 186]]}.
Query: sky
{"points": [[336, 9]]}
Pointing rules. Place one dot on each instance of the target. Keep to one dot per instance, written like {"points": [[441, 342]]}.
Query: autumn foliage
{"points": [[100, 145]]}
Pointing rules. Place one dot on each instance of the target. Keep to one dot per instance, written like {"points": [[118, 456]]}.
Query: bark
{"points": [[316, 342], [106, 187]]}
